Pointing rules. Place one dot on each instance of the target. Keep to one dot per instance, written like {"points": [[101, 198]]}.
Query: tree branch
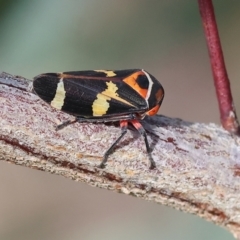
{"points": [[221, 81], [198, 166]]}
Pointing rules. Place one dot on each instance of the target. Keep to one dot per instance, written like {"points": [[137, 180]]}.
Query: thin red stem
{"points": [[222, 85]]}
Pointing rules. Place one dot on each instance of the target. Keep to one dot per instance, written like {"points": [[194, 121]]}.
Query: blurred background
{"points": [[165, 38]]}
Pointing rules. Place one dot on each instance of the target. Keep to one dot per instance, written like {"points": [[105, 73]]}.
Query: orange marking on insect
{"points": [[159, 95], [132, 82], [153, 111]]}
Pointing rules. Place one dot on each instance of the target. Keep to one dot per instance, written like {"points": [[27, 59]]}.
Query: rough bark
{"points": [[198, 165]]}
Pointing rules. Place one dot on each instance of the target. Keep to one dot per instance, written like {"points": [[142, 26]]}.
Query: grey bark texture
{"points": [[198, 165]]}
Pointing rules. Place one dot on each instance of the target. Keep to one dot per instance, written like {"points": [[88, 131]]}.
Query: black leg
{"points": [[142, 131], [152, 163], [123, 125], [64, 124]]}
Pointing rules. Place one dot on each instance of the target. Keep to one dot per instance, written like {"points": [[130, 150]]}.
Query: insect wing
{"points": [[90, 93]]}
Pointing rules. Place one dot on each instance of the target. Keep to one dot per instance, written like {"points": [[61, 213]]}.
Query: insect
{"points": [[126, 96]]}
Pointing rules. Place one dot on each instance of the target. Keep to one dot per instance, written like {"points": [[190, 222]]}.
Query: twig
{"points": [[198, 168], [222, 85]]}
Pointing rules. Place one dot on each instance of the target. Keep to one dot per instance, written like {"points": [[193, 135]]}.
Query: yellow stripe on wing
{"points": [[101, 104]]}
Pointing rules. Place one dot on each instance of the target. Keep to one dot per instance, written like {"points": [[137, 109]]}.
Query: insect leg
{"points": [[69, 122], [123, 125], [79, 119], [142, 131], [66, 123]]}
